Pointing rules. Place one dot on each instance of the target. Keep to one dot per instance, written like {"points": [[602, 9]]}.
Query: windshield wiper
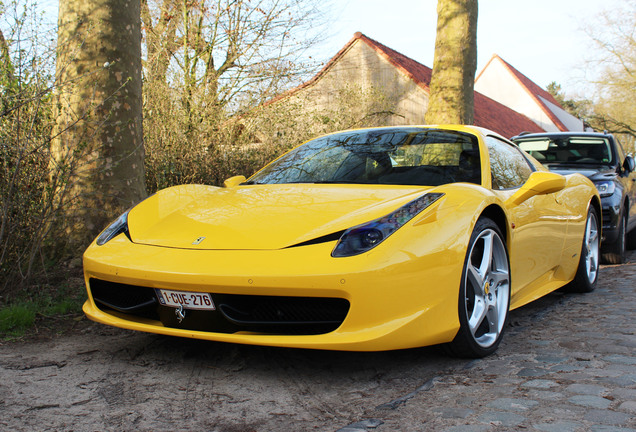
{"points": [[340, 182], [252, 182], [324, 182], [575, 164]]}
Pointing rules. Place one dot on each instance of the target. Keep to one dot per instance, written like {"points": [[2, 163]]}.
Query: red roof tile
{"points": [[492, 115]]}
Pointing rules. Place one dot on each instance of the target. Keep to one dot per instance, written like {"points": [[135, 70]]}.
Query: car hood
{"points": [[594, 173], [259, 216]]}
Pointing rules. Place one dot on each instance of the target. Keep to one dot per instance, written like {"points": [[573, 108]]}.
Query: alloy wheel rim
{"points": [[591, 248], [487, 288]]}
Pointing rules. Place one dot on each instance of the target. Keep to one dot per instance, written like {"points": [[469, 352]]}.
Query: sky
{"points": [[543, 39]]}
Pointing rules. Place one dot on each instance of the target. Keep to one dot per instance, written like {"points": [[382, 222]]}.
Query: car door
{"points": [[538, 225]]}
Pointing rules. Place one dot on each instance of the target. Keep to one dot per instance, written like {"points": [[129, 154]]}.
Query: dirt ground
{"points": [[95, 378]]}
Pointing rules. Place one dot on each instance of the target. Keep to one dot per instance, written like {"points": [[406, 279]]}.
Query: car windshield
{"points": [[395, 156], [569, 150]]}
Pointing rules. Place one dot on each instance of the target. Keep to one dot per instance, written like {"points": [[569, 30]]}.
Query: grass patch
{"points": [[16, 319], [46, 308]]}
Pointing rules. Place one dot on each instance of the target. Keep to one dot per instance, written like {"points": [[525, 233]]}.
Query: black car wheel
{"points": [[587, 271], [614, 253], [484, 294]]}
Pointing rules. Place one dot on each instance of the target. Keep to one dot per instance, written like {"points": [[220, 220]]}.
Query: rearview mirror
{"points": [[234, 181], [539, 183], [629, 165]]}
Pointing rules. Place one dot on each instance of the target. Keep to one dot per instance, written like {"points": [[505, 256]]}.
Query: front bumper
{"points": [[399, 300]]}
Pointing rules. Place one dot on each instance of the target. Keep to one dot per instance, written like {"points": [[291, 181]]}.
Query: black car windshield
{"points": [[575, 150], [394, 156]]}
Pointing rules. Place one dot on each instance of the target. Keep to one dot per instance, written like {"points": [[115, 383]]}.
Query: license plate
{"points": [[189, 300]]}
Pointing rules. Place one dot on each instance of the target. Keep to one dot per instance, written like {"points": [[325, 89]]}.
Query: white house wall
{"points": [[499, 84]]}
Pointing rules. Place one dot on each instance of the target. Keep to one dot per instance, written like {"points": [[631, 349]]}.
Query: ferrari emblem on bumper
{"points": [[180, 313]]}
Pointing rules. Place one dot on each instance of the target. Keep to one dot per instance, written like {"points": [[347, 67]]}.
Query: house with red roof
{"points": [[405, 83], [505, 84]]}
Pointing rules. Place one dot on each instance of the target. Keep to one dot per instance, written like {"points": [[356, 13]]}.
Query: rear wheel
{"points": [[484, 294], [614, 253], [587, 272]]}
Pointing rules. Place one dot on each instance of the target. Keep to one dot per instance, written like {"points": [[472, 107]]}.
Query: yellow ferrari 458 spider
{"points": [[371, 239]]}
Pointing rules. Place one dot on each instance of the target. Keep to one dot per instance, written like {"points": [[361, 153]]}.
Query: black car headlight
{"points": [[119, 226], [365, 237], [605, 188]]}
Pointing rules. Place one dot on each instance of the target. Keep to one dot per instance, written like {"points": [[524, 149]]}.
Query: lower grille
{"points": [[128, 299], [234, 312], [292, 315]]}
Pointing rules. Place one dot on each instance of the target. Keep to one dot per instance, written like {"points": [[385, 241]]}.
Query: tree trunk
{"points": [[453, 80], [98, 142]]}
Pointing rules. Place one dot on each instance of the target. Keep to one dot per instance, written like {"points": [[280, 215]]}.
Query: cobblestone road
{"points": [[567, 363]]}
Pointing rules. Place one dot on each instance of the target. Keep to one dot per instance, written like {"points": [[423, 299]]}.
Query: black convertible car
{"points": [[602, 159]]}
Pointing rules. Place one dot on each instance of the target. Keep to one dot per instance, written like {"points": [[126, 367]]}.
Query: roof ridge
{"points": [[422, 79], [319, 74], [536, 92], [493, 57]]}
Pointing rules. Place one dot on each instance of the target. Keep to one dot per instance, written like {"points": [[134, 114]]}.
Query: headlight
{"points": [[605, 188], [365, 237], [119, 226]]}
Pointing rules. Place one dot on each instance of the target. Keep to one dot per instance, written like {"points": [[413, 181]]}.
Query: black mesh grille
{"points": [[263, 314]]}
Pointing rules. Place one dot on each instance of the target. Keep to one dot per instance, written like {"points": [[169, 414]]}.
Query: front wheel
{"points": [[484, 294], [630, 239], [587, 271], [614, 253]]}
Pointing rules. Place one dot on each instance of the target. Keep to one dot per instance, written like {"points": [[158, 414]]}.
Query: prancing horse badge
{"points": [[181, 313], [198, 240]]}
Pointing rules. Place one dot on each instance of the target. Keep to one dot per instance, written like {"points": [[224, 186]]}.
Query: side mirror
{"points": [[539, 183], [629, 165], [234, 181]]}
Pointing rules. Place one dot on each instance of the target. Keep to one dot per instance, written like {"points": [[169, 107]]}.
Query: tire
{"points": [[631, 240], [614, 253], [587, 271], [484, 293]]}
